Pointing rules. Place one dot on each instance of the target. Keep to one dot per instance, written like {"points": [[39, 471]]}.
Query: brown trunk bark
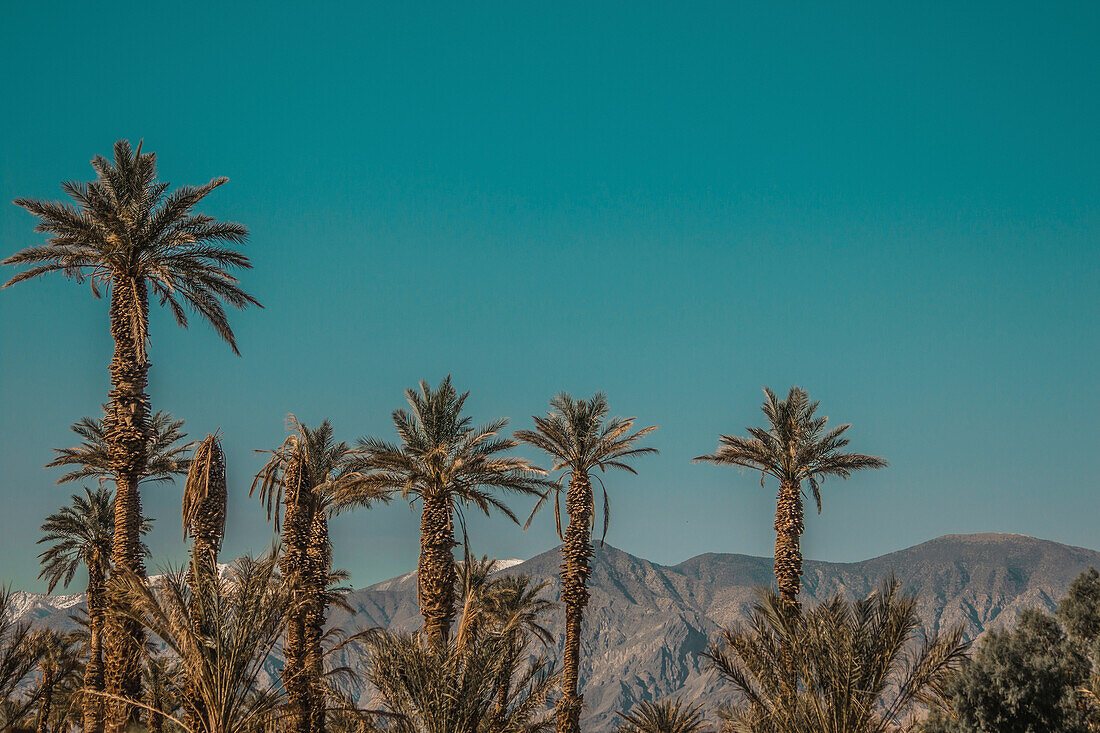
{"points": [[320, 557], [436, 572], [788, 534], [126, 425], [207, 528], [788, 572], [93, 669], [294, 563], [47, 699], [576, 551]]}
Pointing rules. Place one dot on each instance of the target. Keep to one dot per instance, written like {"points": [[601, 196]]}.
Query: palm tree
{"points": [[663, 716], [580, 438], [858, 667], [795, 447], [128, 237], [509, 607], [166, 455], [58, 668], [163, 695], [516, 612], [430, 686], [245, 609], [448, 464], [204, 506], [298, 482], [20, 651], [80, 534]]}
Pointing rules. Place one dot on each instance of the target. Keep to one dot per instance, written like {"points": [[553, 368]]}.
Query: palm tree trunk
{"points": [[294, 563], [788, 535], [93, 669], [126, 424], [319, 561], [47, 700], [576, 551], [436, 572], [788, 573], [207, 528]]}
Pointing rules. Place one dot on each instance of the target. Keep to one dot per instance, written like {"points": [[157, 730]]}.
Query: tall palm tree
{"points": [[204, 506], [84, 531], [796, 447], [663, 716], [298, 483], [860, 666], [247, 607], [128, 236], [448, 464], [580, 438], [80, 534]]}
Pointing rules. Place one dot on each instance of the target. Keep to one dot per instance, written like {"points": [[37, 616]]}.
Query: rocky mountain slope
{"points": [[647, 622]]}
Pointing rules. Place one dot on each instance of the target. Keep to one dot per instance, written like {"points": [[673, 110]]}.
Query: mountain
{"points": [[647, 623]]}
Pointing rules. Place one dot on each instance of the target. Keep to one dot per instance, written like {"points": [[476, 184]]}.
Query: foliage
{"points": [[448, 464], [166, 456], [857, 665], [580, 437], [126, 232], [243, 612], [663, 716], [795, 447], [20, 652], [433, 687], [485, 679]]}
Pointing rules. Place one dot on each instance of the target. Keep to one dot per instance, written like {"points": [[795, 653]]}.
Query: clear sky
{"points": [[894, 205]]}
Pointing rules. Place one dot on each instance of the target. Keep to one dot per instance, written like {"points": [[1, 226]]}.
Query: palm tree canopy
{"points": [[327, 465], [245, 609], [126, 229], [859, 666], [663, 716], [579, 436], [80, 534], [441, 453], [796, 446], [167, 457]]}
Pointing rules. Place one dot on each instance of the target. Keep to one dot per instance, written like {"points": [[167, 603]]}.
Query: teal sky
{"points": [[895, 207]]}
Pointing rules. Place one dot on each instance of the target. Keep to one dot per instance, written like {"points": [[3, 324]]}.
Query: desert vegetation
{"points": [[193, 649]]}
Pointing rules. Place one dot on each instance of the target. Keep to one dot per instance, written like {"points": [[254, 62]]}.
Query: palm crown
{"points": [[579, 437], [441, 453], [80, 533], [795, 447], [312, 451], [166, 456], [125, 231]]}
